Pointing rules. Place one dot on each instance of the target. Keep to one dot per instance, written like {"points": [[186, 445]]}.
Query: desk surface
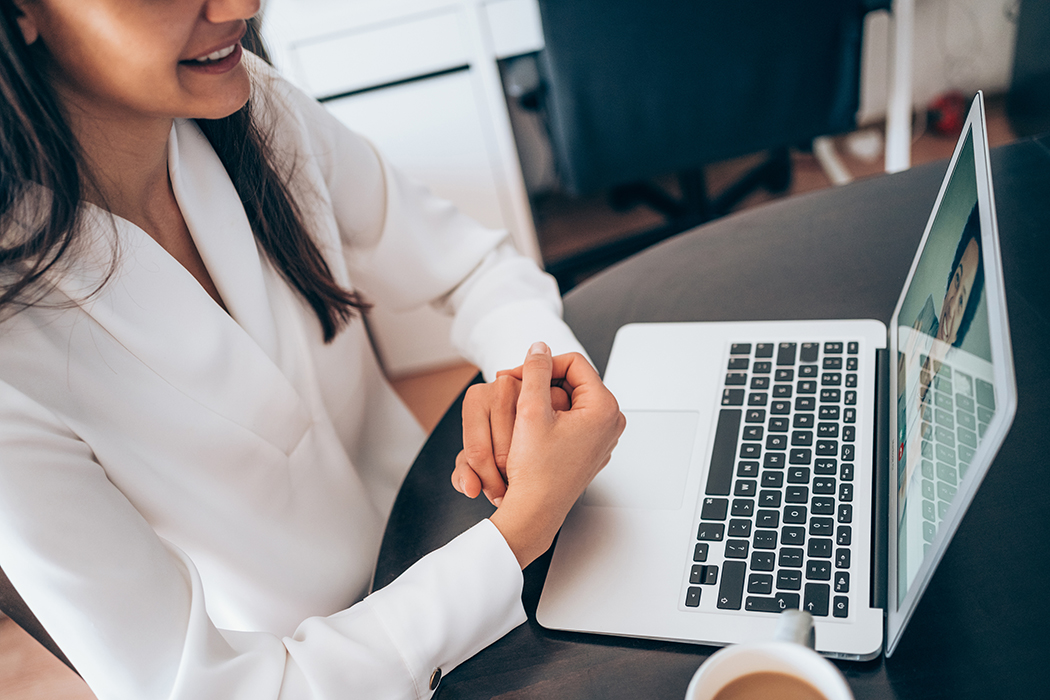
{"points": [[983, 627]]}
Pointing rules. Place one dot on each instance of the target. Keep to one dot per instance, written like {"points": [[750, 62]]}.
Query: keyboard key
{"points": [[757, 398], [851, 364], [794, 515], [761, 584], [702, 574], [846, 472], [736, 379], [844, 535], [847, 453], [807, 371], [731, 591], [831, 363], [765, 539], [800, 455], [842, 558], [755, 415], [822, 527], [720, 474], [762, 561], [802, 438], [743, 507], [829, 395], [831, 379], [764, 350], [776, 441], [802, 420], [711, 532], [845, 513], [779, 407], [759, 383], [842, 582], [832, 348], [778, 425], [791, 557], [827, 448], [777, 604], [828, 413], [823, 486], [816, 600], [753, 432], [692, 597], [746, 467], [737, 549], [846, 492], [770, 480], [806, 403], [773, 460], [700, 551], [789, 580], [809, 352], [798, 475], [782, 391], [739, 528], [784, 375], [762, 367], [786, 354], [745, 487], [819, 547], [739, 363], [714, 509], [732, 397], [853, 347], [768, 519], [851, 398], [826, 466], [805, 386], [793, 535], [851, 380], [849, 433], [827, 430], [840, 606], [796, 494], [822, 505], [818, 570], [740, 349]]}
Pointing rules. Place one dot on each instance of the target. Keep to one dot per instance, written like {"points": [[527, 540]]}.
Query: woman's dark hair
{"points": [[37, 147], [971, 232]]}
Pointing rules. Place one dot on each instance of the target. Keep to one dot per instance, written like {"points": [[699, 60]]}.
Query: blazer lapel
{"points": [[155, 309]]}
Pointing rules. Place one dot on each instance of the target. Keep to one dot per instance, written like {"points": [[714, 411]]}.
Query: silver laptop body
{"points": [[746, 480]]}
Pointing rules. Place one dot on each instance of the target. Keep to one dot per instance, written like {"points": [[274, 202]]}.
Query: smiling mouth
{"points": [[214, 55]]}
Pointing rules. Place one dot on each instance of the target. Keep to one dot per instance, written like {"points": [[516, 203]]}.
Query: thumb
{"points": [[536, 378]]}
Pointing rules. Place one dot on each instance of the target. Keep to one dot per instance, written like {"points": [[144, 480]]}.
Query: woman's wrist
{"points": [[528, 531]]}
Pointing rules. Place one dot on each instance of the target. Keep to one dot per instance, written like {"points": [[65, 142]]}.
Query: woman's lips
{"points": [[214, 67]]}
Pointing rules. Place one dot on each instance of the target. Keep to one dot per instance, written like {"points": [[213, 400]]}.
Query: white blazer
{"points": [[192, 501]]}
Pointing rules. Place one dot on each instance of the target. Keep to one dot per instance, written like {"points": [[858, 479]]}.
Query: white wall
{"points": [[959, 45]]}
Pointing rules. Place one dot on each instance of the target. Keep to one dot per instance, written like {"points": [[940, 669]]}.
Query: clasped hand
{"points": [[532, 441]]}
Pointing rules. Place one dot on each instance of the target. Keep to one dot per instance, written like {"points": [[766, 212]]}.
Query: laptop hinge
{"points": [[881, 475]]}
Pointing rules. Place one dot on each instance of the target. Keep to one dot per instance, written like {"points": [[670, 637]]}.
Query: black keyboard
{"points": [[775, 528]]}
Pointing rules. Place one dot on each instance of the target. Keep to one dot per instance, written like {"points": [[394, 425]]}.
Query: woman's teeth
{"points": [[216, 55]]}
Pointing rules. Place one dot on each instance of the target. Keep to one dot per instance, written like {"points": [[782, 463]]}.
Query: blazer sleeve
{"points": [[404, 247], [130, 610]]}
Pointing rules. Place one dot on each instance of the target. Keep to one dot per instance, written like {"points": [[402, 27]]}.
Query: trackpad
{"points": [[650, 464]]}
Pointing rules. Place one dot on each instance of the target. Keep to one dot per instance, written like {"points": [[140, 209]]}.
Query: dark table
{"points": [[983, 627]]}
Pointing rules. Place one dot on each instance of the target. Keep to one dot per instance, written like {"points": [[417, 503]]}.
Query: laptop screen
{"points": [[945, 382]]}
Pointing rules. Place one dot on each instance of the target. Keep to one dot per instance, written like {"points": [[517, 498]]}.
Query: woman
{"points": [[198, 449]]}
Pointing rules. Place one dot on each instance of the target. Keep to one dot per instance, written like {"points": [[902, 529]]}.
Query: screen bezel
{"points": [[897, 616]]}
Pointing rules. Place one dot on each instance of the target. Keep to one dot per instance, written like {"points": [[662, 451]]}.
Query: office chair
{"points": [[635, 90]]}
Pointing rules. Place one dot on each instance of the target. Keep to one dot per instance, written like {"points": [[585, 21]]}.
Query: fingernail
{"points": [[538, 348], [497, 500]]}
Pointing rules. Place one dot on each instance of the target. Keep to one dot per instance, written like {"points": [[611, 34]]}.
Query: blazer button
{"points": [[435, 679]]}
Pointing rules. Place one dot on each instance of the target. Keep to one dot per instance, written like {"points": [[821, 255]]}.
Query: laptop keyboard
{"points": [[776, 519]]}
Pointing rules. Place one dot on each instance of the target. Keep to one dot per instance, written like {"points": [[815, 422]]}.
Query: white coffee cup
{"points": [[790, 652]]}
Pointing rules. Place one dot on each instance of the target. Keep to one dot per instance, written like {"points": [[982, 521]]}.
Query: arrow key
{"points": [[816, 601]]}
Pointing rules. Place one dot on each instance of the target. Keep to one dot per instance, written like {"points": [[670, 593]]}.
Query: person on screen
{"points": [[198, 449], [962, 294]]}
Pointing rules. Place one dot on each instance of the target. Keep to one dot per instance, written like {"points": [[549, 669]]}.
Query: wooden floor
{"points": [[29, 672]]}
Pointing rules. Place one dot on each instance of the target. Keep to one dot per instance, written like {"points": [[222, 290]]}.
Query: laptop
{"points": [[821, 465]]}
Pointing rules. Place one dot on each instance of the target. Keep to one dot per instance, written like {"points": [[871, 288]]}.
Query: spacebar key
{"points": [[720, 473], [731, 591]]}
